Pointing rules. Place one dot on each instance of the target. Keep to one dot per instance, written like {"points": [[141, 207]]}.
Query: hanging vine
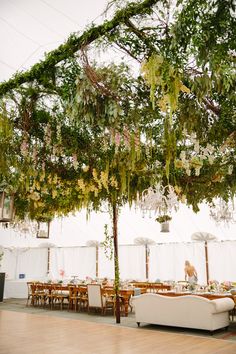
{"points": [[108, 243]]}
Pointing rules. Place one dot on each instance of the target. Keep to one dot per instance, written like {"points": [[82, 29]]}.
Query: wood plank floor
{"points": [[34, 334]]}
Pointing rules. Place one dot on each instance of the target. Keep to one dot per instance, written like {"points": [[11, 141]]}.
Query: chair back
{"points": [[94, 295], [137, 291], [31, 287]]}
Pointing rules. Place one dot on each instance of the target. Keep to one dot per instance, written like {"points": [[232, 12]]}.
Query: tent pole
{"points": [[96, 261], [206, 258], [116, 260], [147, 261], [48, 262]]}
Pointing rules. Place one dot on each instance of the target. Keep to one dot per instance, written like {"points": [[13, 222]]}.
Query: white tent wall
{"points": [[105, 265], [132, 262], [9, 262], [79, 261], [222, 260], [32, 262], [166, 261]]}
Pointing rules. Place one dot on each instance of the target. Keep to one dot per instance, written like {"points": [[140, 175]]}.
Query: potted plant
{"points": [[164, 221]]}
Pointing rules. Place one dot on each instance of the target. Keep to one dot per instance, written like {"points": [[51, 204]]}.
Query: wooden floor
{"points": [[34, 334]]}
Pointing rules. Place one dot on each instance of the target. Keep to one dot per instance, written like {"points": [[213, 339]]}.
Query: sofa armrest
{"points": [[222, 305]]}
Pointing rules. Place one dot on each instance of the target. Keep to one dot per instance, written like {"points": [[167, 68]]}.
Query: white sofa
{"points": [[188, 311]]}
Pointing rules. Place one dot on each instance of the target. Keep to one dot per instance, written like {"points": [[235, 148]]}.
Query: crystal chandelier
{"points": [[24, 227], [223, 211], [160, 200]]}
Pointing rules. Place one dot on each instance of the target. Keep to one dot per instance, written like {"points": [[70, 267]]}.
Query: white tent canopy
{"points": [[29, 28], [76, 230]]}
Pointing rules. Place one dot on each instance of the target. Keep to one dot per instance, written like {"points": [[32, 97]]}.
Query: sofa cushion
{"points": [[222, 305]]}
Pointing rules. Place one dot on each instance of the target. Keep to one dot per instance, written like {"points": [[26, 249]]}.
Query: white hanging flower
{"points": [[196, 147], [75, 161], [210, 148], [230, 169], [183, 155], [24, 148], [211, 159], [193, 137], [197, 171], [188, 171]]}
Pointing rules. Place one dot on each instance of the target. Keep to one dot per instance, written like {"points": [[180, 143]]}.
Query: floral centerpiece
{"points": [[213, 285], [192, 287], [226, 285], [62, 274]]}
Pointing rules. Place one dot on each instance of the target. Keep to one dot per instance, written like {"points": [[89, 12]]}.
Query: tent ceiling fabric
{"points": [[203, 236], [28, 28]]}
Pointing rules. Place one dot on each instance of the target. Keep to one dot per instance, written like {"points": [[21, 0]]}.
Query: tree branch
{"points": [[141, 35], [211, 106]]}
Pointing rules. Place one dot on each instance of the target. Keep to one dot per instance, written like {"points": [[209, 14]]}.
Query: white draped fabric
{"points": [[9, 263], [166, 261], [132, 262], [79, 261], [32, 262], [105, 265], [222, 261]]}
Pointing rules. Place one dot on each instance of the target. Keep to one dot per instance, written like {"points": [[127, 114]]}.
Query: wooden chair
{"points": [[96, 300], [31, 293], [40, 294], [83, 298], [35, 293], [73, 297], [60, 296]]}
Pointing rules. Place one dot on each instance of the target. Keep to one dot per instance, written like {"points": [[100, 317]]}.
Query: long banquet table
{"points": [[125, 293]]}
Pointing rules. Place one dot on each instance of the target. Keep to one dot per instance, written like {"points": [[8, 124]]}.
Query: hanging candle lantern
{"points": [[6, 207]]}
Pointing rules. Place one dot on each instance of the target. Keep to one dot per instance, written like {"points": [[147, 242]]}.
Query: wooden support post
{"points": [[116, 260], [206, 258], [48, 262], [147, 261], [96, 261]]}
